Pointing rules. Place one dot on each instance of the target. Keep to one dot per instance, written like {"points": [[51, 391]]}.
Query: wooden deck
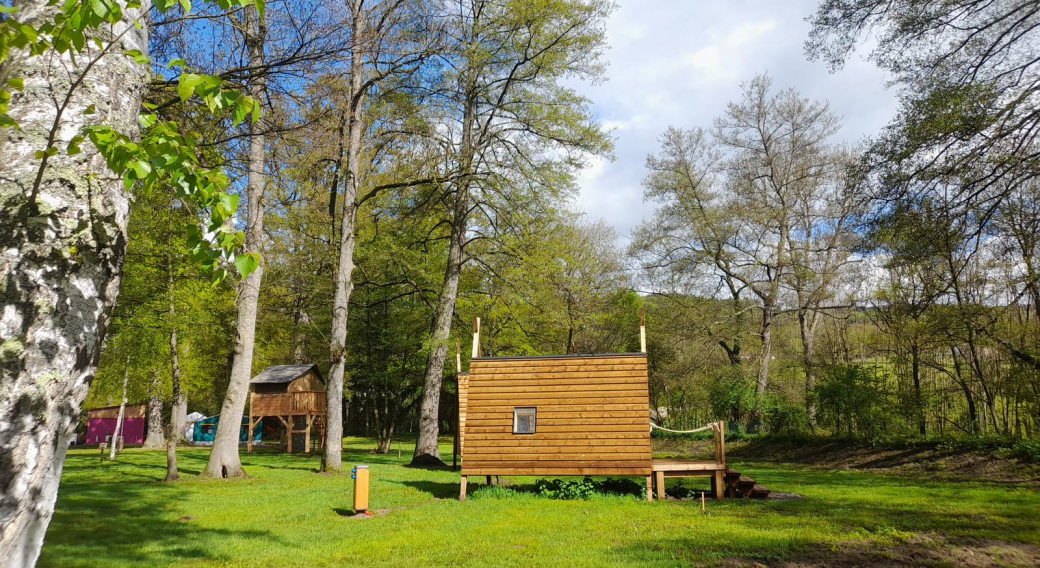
{"points": [[309, 406], [714, 469]]}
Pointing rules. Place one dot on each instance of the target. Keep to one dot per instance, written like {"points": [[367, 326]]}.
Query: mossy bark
{"points": [[63, 238]]}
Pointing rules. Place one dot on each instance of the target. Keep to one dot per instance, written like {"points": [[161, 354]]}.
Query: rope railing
{"points": [[718, 430], [701, 429]]}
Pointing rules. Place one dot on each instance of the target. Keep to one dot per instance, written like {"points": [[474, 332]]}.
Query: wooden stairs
{"points": [[742, 486]]}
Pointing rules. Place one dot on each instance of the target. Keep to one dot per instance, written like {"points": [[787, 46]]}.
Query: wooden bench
{"points": [[715, 470]]}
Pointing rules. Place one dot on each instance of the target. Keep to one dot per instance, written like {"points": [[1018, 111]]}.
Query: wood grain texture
{"points": [[593, 416]]}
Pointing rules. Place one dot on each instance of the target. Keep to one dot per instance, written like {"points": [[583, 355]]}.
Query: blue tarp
{"points": [[206, 430]]}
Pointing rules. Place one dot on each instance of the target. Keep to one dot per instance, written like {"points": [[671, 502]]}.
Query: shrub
{"points": [[570, 489], [782, 417], [1027, 449], [850, 399], [566, 489]]}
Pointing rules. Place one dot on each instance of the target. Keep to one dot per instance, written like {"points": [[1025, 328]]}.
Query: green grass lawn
{"points": [[118, 514]]}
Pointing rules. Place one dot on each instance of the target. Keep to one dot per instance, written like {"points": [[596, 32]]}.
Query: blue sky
{"points": [[678, 62]]}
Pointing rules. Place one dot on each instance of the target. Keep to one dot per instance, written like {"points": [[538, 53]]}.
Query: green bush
{"points": [[1027, 449], [782, 417], [581, 489], [566, 489], [850, 400]]}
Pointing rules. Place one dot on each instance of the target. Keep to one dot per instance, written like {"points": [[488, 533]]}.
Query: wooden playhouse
{"points": [[572, 415], [101, 424], [293, 396]]}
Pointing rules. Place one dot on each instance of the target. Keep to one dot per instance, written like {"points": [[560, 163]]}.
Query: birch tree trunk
{"points": [[122, 412], [224, 460], [155, 438], [63, 238], [333, 457]]}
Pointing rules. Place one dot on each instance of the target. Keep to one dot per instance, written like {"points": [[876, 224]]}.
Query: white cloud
{"points": [[676, 62]]}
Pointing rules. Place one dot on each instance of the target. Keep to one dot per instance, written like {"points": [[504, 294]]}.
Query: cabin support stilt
{"points": [[649, 488], [462, 488]]}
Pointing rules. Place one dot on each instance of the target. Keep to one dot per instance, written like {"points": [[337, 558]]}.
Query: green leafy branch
{"points": [[164, 156]]}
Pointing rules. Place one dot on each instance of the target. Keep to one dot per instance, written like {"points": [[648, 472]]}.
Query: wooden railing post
{"points": [[722, 439]]}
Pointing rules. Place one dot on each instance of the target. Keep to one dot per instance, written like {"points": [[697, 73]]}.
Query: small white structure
{"points": [[189, 425]]}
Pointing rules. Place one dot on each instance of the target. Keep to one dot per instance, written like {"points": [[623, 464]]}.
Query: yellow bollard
{"points": [[360, 476]]}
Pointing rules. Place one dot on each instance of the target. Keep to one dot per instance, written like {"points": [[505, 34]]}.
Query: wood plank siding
{"points": [[593, 416]]}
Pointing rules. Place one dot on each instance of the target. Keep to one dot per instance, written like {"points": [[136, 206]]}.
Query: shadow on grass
{"points": [[130, 523], [877, 522], [434, 488]]}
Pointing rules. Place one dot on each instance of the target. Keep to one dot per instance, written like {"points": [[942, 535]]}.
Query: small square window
{"points": [[524, 420]]}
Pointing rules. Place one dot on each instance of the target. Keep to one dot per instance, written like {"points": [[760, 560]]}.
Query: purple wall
{"points": [[98, 428]]}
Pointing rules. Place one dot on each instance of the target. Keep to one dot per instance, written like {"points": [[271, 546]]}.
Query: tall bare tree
{"points": [[730, 202]]}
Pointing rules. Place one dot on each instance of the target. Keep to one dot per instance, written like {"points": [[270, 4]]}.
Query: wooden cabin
{"points": [[292, 395], [572, 415]]}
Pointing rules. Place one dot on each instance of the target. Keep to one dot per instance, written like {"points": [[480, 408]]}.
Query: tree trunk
{"points": [[180, 410], [224, 460], [155, 437], [915, 371], [807, 320], [333, 458], [426, 450], [768, 312], [176, 421], [64, 237], [122, 411]]}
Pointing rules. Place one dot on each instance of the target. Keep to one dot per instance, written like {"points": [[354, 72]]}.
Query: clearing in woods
{"points": [[118, 514]]}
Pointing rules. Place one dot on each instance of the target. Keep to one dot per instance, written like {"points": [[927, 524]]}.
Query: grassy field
{"points": [[117, 514]]}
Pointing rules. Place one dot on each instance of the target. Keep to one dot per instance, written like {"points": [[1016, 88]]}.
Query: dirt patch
{"points": [[930, 460], [917, 551]]}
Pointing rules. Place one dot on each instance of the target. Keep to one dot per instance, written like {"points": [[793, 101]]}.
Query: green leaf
{"points": [[242, 108], [17, 83], [138, 57], [261, 7], [90, 110], [246, 263], [141, 168], [163, 5], [8, 9], [188, 82], [186, 4], [177, 63], [72, 149], [40, 154]]}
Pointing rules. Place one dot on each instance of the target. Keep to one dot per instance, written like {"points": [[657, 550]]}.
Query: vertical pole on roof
{"points": [[642, 330], [476, 337]]}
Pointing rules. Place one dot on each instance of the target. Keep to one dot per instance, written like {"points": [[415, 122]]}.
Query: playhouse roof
{"points": [[132, 411], [284, 373]]}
